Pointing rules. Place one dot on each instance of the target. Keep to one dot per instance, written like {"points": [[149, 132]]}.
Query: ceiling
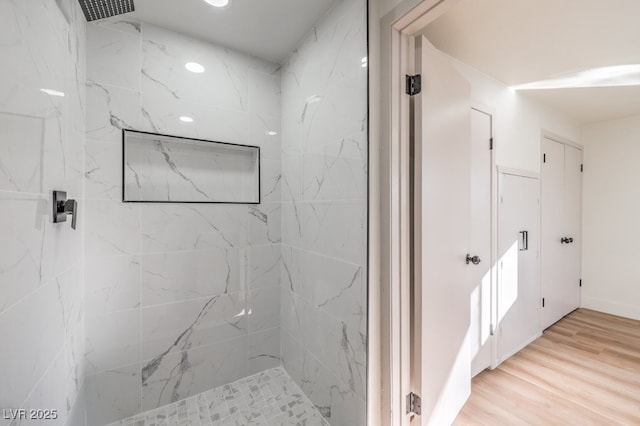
{"points": [[521, 41], [268, 29]]}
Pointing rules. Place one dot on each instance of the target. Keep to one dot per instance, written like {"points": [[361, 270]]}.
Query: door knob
{"points": [[63, 207], [473, 259], [566, 240]]}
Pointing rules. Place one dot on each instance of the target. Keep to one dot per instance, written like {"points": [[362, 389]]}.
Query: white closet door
{"points": [[553, 229], [573, 224], [481, 297], [518, 267], [442, 222], [561, 221]]}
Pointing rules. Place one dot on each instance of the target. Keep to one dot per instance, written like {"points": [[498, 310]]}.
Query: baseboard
{"points": [[521, 347], [610, 307]]}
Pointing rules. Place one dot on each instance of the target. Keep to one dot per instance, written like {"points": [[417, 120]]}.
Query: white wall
{"points": [[610, 226], [518, 120], [324, 205], [41, 149], [180, 297]]}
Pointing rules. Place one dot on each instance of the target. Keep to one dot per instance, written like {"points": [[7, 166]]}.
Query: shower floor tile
{"points": [[268, 398]]}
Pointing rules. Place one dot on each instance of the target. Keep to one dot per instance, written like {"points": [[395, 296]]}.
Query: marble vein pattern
{"points": [[42, 140], [180, 298], [268, 398], [170, 169], [324, 214]]}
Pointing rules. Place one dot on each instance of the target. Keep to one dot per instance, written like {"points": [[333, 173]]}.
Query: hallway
{"points": [[585, 369]]}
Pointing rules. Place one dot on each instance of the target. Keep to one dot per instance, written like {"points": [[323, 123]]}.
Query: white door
{"points": [[561, 204], [481, 292], [442, 223], [573, 223], [518, 267]]}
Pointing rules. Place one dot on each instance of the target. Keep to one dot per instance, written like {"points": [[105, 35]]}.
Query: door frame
{"points": [[390, 355]]}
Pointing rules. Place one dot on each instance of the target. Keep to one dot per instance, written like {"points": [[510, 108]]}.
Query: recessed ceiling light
{"points": [[218, 3], [53, 92], [618, 75], [194, 67], [186, 119], [271, 133]]}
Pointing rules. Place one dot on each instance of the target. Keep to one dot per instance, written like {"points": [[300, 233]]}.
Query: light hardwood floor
{"points": [[584, 370]]}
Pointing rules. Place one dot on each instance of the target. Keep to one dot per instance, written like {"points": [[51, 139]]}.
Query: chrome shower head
{"points": [[100, 9]]}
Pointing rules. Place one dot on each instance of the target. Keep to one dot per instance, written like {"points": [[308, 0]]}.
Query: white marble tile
{"points": [[264, 350], [70, 289], [113, 395], [22, 223], [224, 83], [112, 283], [112, 340], [184, 275], [264, 131], [263, 308], [264, 93], [111, 109], [263, 266], [113, 58], [47, 396], [270, 181], [103, 170], [21, 153], [178, 375], [336, 229], [169, 227], [264, 224], [161, 114], [128, 23], [291, 308], [333, 178], [75, 368], [179, 326], [112, 228], [341, 349], [291, 178], [35, 329]]}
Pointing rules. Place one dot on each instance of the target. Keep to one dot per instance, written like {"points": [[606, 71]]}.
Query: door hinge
{"points": [[414, 404], [580, 282], [543, 302], [544, 158], [491, 330], [490, 143], [414, 84], [582, 167]]}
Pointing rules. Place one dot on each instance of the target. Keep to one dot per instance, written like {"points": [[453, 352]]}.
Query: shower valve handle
{"points": [[63, 207]]}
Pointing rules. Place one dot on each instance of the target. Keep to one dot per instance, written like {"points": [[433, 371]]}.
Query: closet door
{"points": [[518, 267], [560, 216], [573, 223]]}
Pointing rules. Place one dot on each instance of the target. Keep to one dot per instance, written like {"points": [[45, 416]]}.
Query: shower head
{"points": [[100, 9]]}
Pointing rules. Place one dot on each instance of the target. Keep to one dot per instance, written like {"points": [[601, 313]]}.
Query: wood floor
{"points": [[584, 370]]}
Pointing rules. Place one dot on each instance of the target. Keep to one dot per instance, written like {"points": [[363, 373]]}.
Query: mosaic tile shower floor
{"points": [[269, 398]]}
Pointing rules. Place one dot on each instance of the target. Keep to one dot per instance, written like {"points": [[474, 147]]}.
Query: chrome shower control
{"points": [[63, 207]]}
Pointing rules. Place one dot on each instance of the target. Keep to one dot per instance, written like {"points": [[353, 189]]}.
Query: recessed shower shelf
{"points": [[172, 169]]}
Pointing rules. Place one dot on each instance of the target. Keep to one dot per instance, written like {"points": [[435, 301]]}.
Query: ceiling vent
{"points": [[100, 9]]}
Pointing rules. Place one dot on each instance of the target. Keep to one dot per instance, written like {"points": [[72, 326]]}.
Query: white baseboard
{"points": [[610, 307]]}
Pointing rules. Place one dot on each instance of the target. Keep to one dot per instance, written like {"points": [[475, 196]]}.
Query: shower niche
{"points": [[172, 169]]}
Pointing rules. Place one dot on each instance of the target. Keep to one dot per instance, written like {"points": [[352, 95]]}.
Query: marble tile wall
{"points": [[324, 213], [180, 298], [42, 139]]}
